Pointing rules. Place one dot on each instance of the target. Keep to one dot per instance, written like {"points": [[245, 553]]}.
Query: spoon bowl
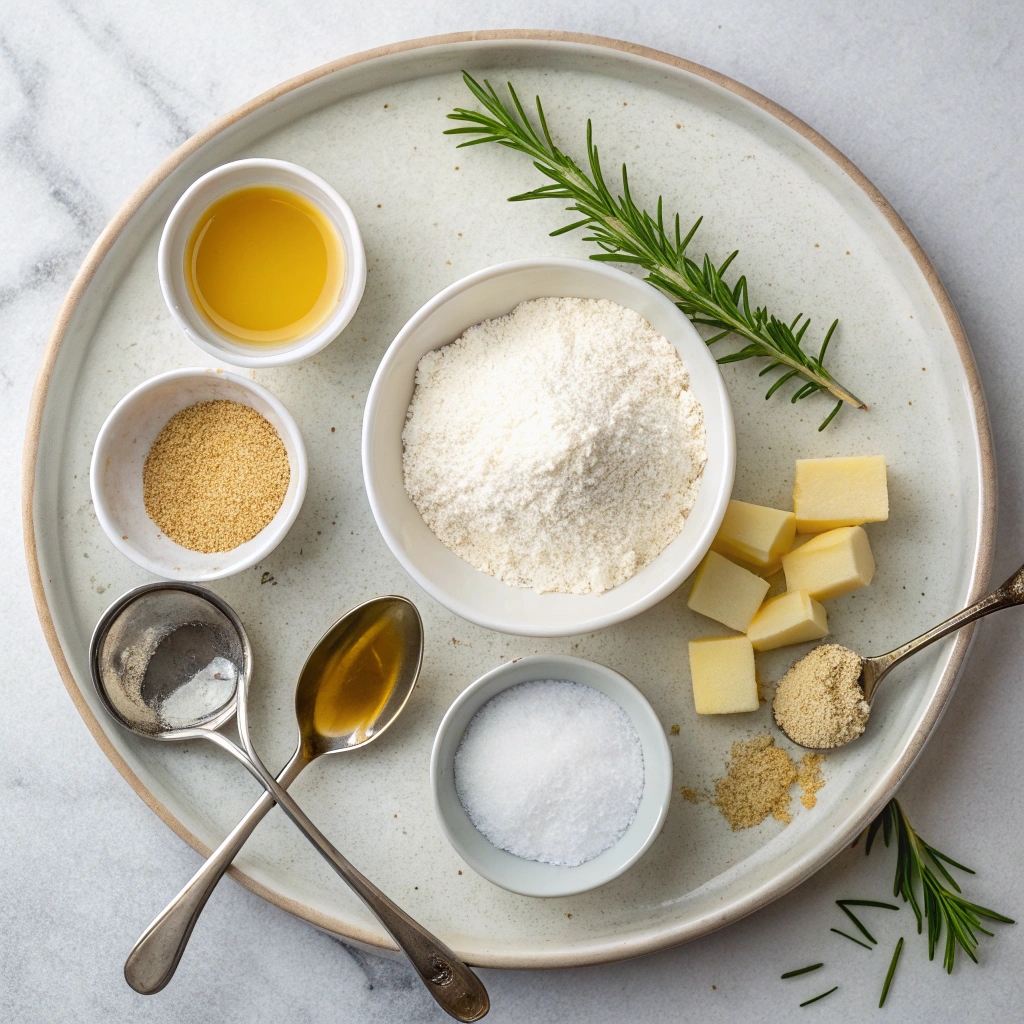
{"points": [[359, 676], [874, 670], [166, 660]]}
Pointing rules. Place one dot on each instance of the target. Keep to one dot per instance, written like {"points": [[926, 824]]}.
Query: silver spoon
{"points": [[172, 661], [874, 670]]}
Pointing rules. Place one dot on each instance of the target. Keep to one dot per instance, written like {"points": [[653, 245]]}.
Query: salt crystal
{"points": [[551, 771]]}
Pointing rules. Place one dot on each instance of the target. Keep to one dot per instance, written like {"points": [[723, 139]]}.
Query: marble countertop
{"points": [[926, 98]]}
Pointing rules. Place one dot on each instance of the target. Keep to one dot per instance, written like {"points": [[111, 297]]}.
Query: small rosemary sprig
{"points": [[942, 907], [627, 234]]}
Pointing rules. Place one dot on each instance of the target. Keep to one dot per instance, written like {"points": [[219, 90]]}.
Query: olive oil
{"points": [[356, 679], [264, 265]]}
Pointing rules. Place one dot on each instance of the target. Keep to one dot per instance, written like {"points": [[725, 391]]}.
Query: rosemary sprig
{"points": [[627, 234], [919, 863]]}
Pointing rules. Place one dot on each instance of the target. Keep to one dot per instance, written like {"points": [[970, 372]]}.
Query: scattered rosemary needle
{"points": [[627, 234], [844, 906], [942, 906], [892, 971], [822, 996], [802, 970], [851, 938], [853, 917]]}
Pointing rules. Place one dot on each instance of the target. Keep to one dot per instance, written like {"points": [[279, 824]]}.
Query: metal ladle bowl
{"points": [[171, 661], [153, 645]]}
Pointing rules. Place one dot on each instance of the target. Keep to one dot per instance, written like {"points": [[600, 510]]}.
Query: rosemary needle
{"points": [[868, 903], [892, 971], [853, 917], [822, 996], [625, 233], [802, 970], [851, 938]]}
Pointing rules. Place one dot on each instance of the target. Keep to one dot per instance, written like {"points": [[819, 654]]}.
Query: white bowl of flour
{"points": [[468, 536]]}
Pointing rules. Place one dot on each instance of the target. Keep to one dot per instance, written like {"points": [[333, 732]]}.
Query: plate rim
{"points": [[607, 950]]}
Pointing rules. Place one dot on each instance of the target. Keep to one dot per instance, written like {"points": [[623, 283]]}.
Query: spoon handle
{"points": [[457, 990], [1011, 593], [154, 959]]}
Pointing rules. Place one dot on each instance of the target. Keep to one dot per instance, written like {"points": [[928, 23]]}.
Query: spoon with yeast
{"points": [[824, 700]]}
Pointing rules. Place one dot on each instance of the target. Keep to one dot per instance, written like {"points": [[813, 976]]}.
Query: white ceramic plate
{"points": [[815, 237]]}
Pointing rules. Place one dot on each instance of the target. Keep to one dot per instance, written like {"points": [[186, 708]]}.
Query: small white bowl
{"points": [[455, 583], [115, 476], [228, 178], [528, 877]]}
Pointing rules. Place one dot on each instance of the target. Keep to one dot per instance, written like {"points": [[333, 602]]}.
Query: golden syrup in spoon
{"points": [[264, 265], [356, 679]]}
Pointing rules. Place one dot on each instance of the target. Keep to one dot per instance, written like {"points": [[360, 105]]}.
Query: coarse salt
{"points": [[551, 771]]}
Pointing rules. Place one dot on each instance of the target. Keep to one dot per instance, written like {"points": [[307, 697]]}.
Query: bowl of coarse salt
{"points": [[548, 447], [551, 775]]}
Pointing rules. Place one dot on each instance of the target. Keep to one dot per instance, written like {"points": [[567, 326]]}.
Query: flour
{"points": [[558, 447]]}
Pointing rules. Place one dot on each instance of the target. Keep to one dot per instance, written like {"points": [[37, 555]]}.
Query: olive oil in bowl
{"points": [[264, 266]]}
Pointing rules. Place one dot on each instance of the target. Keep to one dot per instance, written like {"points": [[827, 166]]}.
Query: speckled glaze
{"points": [[815, 238]]}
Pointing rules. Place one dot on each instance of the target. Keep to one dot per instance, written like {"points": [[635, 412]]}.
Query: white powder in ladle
{"points": [[551, 771], [558, 447], [201, 697]]}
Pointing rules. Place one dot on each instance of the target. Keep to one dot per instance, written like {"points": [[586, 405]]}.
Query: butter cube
{"points": [[726, 592], [755, 534], [828, 493], [791, 618], [830, 564], [722, 670]]}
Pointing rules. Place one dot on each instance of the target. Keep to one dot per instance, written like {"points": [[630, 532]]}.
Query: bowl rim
{"points": [[299, 466], [337, 209], [489, 685], [465, 609]]}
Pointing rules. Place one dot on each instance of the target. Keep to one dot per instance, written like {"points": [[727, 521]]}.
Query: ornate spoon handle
{"points": [[1011, 593], [456, 989]]}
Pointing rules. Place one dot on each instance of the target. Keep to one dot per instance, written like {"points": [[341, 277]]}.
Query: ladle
{"points": [[874, 670], [165, 645]]}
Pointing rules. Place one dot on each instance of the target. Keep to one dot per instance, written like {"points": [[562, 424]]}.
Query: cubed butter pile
{"points": [[832, 498]]}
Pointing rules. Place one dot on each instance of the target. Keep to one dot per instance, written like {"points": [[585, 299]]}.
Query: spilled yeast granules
{"points": [[215, 476], [809, 778], [757, 782]]}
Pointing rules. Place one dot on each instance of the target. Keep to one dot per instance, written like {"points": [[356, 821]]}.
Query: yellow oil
{"points": [[264, 265], [357, 678]]}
